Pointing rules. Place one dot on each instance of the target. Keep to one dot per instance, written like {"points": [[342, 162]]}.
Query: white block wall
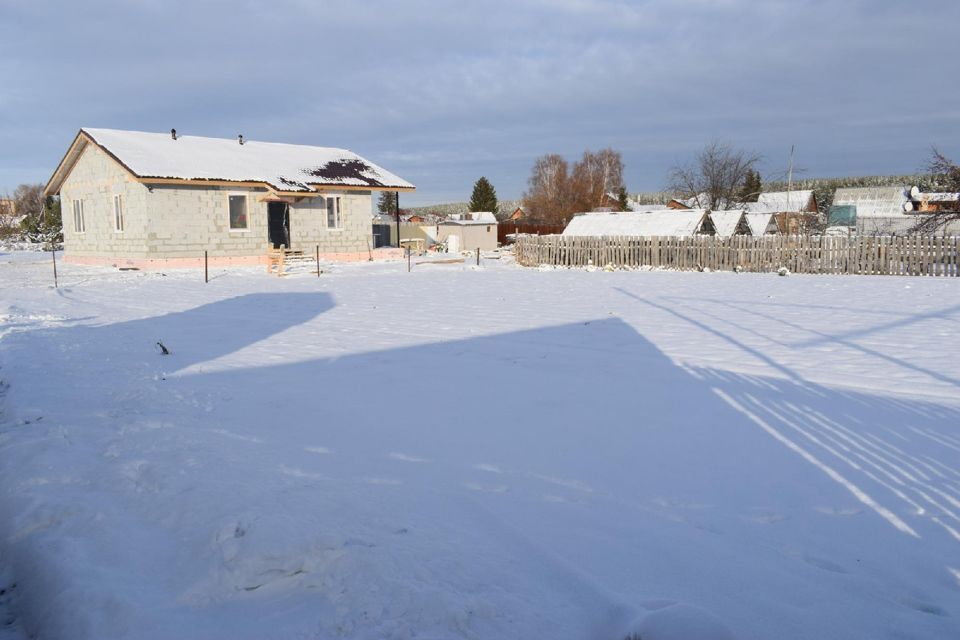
{"points": [[95, 179]]}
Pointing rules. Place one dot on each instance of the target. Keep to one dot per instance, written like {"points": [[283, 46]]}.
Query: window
{"points": [[117, 212], [333, 213], [79, 224], [238, 213]]}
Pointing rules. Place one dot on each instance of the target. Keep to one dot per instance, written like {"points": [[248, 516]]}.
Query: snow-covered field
{"points": [[478, 453]]}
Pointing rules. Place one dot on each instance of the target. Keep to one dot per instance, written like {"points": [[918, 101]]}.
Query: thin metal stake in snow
{"points": [[478, 256], [318, 261], [53, 254], [206, 271]]}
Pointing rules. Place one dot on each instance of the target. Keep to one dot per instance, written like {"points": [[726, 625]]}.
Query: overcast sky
{"points": [[444, 92]]}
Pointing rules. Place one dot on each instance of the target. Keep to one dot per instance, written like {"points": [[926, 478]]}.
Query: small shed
{"points": [[475, 230]]}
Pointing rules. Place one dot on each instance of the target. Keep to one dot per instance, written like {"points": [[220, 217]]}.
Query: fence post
{"points": [[206, 269], [53, 254], [318, 259]]}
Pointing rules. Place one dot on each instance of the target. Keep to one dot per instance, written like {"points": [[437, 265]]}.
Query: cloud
{"points": [[446, 91]]}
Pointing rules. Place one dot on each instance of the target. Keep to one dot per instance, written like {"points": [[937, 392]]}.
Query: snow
{"points": [[781, 202], [473, 218], [285, 167], [636, 223], [676, 455], [726, 222], [760, 223]]}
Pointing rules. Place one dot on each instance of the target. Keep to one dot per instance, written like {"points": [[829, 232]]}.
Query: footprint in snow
{"points": [[317, 449], [561, 482], [767, 518], [923, 607], [487, 488], [404, 457], [382, 481], [823, 563], [838, 511]]}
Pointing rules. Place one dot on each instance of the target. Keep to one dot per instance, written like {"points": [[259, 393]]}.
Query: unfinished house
{"points": [[137, 199]]}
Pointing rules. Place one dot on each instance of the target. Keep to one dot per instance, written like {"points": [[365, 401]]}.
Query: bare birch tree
{"points": [[715, 179], [599, 174], [547, 198]]}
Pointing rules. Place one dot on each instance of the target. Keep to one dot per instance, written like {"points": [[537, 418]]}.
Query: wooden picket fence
{"points": [[876, 255]]}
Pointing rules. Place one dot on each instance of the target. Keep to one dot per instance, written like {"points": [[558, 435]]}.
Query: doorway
{"points": [[278, 224]]}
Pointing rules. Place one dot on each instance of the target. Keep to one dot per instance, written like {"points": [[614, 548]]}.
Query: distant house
{"points": [[659, 222], [803, 201], [934, 202], [518, 214], [476, 230], [151, 199]]}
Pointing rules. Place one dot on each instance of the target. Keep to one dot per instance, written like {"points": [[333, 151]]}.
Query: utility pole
{"points": [[790, 178]]}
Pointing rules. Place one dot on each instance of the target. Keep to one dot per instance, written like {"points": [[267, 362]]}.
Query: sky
{"points": [[442, 93]]}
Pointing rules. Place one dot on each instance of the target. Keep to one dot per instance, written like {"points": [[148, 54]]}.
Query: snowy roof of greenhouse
{"points": [[657, 222], [874, 202], [725, 222], [759, 222]]}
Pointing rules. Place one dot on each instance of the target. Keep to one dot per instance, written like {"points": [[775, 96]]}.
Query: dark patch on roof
{"points": [[352, 169], [299, 186]]}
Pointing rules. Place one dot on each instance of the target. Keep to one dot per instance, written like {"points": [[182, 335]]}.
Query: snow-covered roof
{"points": [[725, 222], [638, 206], [916, 194], [874, 202], [636, 223], [782, 202], [474, 217], [285, 167], [759, 223]]}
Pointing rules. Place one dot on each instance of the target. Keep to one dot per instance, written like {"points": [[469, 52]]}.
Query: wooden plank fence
{"points": [[506, 230], [864, 255]]}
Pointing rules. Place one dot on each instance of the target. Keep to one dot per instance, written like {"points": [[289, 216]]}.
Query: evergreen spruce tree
{"points": [[44, 225], [484, 197], [387, 204], [751, 186], [622, 199]]}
